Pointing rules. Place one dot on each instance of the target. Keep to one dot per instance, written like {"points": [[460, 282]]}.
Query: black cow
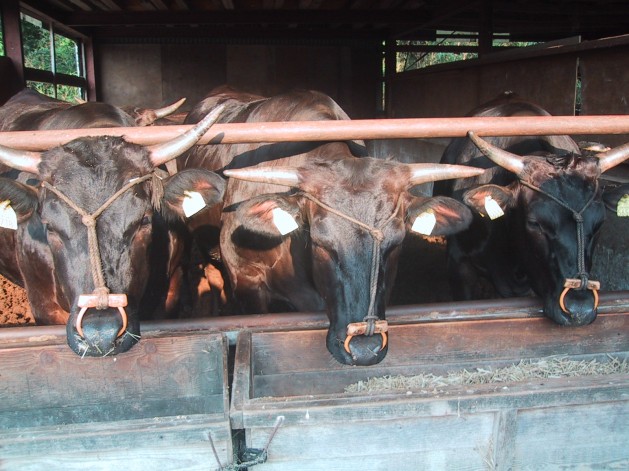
{"points": [[312, 227], [87, 232], [552, 207]]}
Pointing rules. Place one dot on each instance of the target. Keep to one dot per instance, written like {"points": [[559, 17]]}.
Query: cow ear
{"points": [[269, 215], [490, 201], [438, 216], [17, 202], [190, 191]]}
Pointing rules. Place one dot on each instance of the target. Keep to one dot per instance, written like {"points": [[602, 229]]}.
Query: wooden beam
{"points": [[13, 36], [297, 131]]}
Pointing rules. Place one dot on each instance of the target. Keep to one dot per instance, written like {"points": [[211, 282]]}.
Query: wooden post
{"points": [[486, 33], [12, 36]]}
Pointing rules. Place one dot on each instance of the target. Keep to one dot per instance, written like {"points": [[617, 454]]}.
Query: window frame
{"points": [[52, 77]]}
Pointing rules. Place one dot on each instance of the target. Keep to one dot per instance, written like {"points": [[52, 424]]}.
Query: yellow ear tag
{"points": [[622, 210], [8, 218], [493, 209], [284, 222], [424, 223], [192, 203]]}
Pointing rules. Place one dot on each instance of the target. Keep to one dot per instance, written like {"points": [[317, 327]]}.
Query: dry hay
{"points": [[552, 367]]}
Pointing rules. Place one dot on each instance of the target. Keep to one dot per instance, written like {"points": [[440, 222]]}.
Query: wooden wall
{"points": [[548, 81], [605, 86], [156, 74]]}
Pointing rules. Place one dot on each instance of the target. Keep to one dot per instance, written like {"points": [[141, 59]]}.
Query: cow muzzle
{"points": [[578, 303], [366, 342], [101, 327], [101, 302]]}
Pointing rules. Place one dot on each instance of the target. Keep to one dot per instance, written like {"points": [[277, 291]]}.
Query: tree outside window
{"points": [[53, 62]]}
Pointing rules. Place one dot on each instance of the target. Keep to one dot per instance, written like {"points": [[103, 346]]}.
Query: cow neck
{"points": [[89, 221], [582, 274], [377, 236]]}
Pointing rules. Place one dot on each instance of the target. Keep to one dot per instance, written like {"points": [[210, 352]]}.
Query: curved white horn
{"points": [[166, 110], [287, 176], [23, 160], [162, 153], [613, 157], [422, 173], [506, 160]]}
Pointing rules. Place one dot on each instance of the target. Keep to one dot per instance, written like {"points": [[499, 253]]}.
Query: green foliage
{"points": [[418, 60], [37, 47], [2, 53], [35, 44], [66, 56]]}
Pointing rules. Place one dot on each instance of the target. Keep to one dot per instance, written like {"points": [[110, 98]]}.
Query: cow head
{"points": [[86, 232], [350, 216], [557, 212]]}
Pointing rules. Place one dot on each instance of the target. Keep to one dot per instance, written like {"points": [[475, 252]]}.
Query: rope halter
{"points": [[371, 324], [581, 280], [100, 298]]}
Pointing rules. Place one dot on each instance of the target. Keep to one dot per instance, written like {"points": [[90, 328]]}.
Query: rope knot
{"points": [[377, 234], [88, 220], [103, 297], [578, 217], [584, 280], [371, 324]]}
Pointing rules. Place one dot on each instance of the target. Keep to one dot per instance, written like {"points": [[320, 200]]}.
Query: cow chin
{"points": [[580, 306], [365, 351], [100, 329]]}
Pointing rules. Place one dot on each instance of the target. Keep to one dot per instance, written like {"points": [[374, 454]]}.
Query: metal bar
{"points": [[295, 131], [612, 302]]}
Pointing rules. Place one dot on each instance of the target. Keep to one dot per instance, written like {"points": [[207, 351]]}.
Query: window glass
{"points": [[42, 87], [67, 59], [1, 37], [36, 43]]}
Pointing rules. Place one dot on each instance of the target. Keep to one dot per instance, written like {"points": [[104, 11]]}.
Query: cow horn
{"points": [[613, 157], [506, 160], [162, 153], [167, 110], [286, 176], [23, 160], [422, 173]]}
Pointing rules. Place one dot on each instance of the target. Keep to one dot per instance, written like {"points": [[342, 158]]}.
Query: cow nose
{"points": [[581, 308], [101, 329], [367, 350]]}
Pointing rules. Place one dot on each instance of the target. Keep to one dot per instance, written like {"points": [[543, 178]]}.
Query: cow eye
{"points": [[534, 225], [146, 220]]}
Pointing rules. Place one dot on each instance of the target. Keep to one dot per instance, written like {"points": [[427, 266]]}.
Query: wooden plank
{"points": [[591, 436], [143, 382], [143, 442], [480, 426], [405, 443], [243, 379], [454, 400], [166, 396], [442, 343]]}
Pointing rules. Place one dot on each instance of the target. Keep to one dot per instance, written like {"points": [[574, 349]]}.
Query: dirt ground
{"points": [[14, 308], [421, 277]]}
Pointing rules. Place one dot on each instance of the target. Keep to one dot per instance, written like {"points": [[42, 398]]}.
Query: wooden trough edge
{"points": [[612, 302]]}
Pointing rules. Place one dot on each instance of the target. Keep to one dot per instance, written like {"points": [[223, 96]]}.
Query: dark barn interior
{"points": [[237, 391]]}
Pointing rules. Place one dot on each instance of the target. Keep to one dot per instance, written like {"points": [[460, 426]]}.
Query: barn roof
{"points": [[526, 20]]}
